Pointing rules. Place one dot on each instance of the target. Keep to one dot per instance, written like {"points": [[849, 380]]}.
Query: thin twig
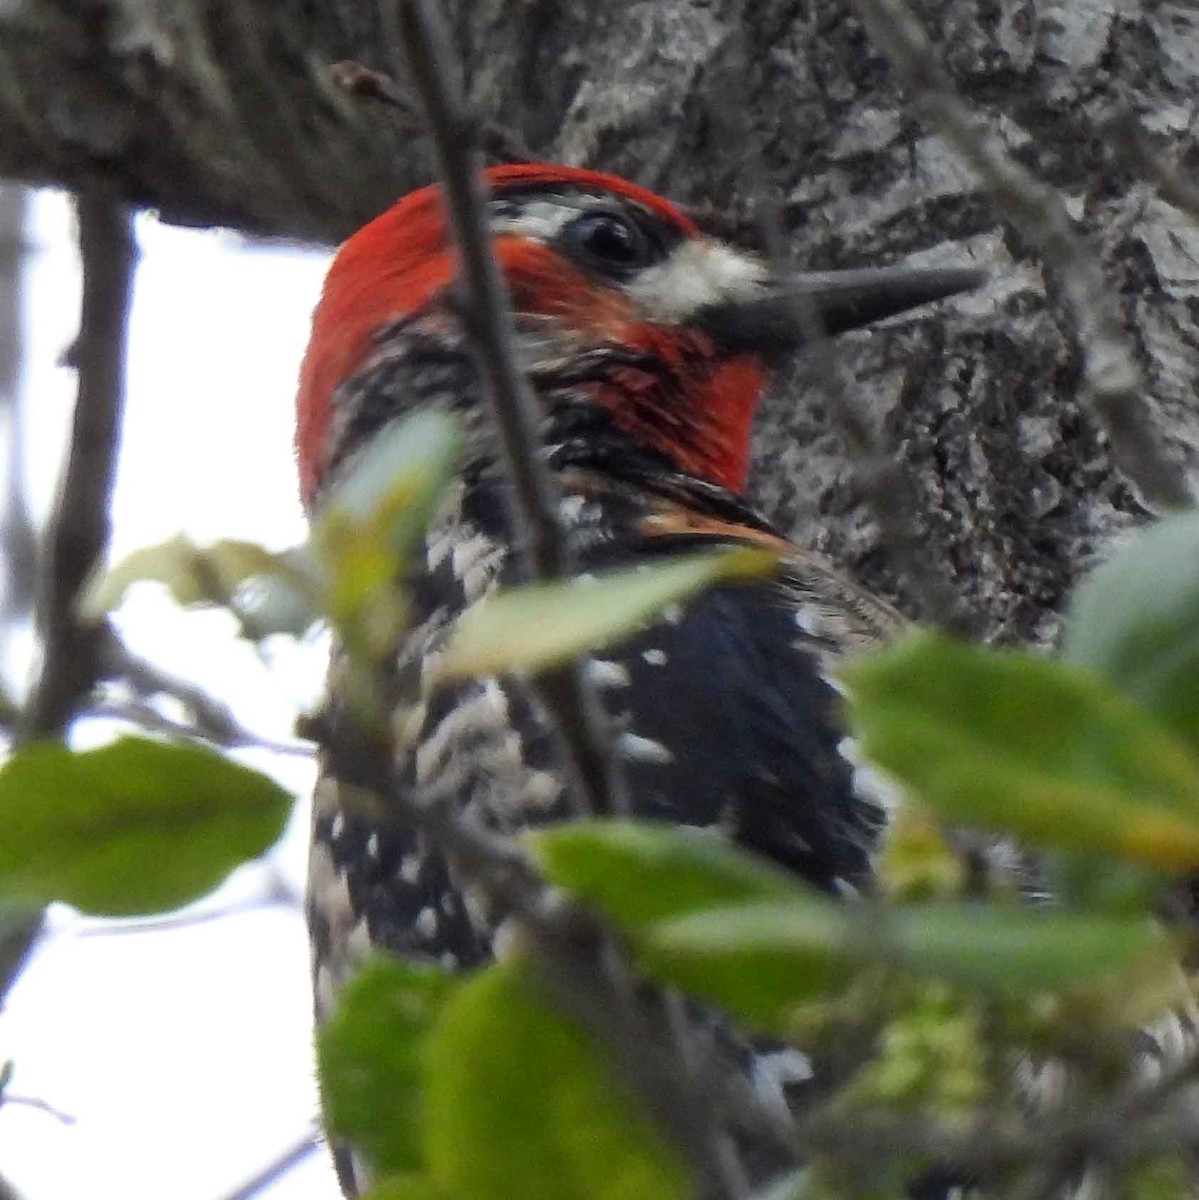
{"points": [[1113, 379], [597, 782], [79, 530], [210, 720], [37, 1105], [273, 1172], [567, 694], [886, 485], [10, 713], [367, 83], [145, 716], [1131, 141], [18, 545]]}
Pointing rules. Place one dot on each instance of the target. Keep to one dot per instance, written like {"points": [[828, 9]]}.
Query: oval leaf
{"points": [[761, 961], [1136, 620], [1028, 746], [522, 1102], [215, 575], [544, 625], [371, 520], [135, 827], [407, 1187], [371, 1058], [1018, 950], [758, 961], [636, 871]]}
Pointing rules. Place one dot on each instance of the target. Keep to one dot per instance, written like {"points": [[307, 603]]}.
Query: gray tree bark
{"points": [[222, 112]]}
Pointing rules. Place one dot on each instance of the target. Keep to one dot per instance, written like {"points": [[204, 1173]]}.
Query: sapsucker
{"points": [[647, 344]]}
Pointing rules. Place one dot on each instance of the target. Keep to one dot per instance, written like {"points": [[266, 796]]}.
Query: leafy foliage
{"points": [[923, 996], [678, 870], [372, 1061], [1136, 620], [134, 827], [481, 1089], [371, 522], [267, 592], [1028, 746], [523, 1102], [544, 625]]}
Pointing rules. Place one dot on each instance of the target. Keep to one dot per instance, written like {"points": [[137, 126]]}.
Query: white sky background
{"points": [[184, 1056]]}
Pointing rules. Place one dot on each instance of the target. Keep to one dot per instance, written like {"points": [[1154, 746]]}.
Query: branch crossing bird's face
{"points": [[596, 264]]}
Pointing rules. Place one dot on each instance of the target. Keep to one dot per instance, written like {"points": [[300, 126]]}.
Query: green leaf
{"points": [[407, 1187], [543, 625], [372, 1062], [372, 520], [636, 872], [1032, 747], [135, 827], [1017, 950], [522, 1102], [762, 960], [1136, 620], [216, 575]]}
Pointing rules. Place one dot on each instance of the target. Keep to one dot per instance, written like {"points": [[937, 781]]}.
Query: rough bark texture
{"points": [[219, 111]]}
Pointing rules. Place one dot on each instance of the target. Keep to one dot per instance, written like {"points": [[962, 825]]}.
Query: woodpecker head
{"points": [[598, 270]]}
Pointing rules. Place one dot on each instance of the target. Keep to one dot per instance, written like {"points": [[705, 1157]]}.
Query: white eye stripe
{"points": [[543, 219], [699, 273]]}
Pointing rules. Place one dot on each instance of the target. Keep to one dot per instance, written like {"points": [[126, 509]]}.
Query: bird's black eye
{"points": [[610, 242]]}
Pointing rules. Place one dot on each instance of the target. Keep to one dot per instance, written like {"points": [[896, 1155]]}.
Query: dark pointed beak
{"points": [[785, 315]]}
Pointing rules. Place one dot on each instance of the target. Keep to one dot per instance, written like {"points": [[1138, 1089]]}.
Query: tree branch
{"points": [[79, 529], [566, 693], [220, 114], [17, 541], [273, 1172], [210, 720], [367, 84], [1131, 141]]}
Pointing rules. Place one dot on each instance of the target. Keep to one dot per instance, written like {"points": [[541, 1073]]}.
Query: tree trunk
{"points": [[218, 111]]}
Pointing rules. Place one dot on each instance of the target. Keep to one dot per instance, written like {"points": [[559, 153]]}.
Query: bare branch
{"points": [[1113, 378], [1131, 141], [887, 486], [79, 530], [273, 1172], [218, 115], [577, 957], [10, 713], [368, 84], [17, 542], [210, 720], [37, 1105], [568, 697]]}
